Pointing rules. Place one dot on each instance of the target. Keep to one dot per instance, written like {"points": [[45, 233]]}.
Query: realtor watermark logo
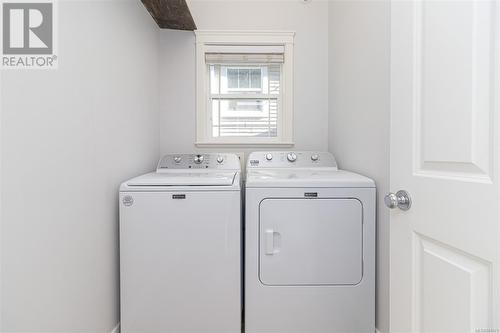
{"points": [[28, 35]]}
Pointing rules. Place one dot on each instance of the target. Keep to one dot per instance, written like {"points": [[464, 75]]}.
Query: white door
{"points": [[445, 140], [311, 241]]}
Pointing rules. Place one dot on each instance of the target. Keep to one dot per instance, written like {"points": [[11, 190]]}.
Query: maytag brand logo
{"points": [[28, 30]]}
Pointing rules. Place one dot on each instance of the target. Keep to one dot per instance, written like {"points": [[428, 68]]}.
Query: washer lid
{"points": [[305, 178], [184, 179]]}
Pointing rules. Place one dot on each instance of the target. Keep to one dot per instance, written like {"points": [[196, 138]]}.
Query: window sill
{"points": [[244, 144]]}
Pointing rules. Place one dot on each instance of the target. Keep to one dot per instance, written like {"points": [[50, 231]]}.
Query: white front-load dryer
{"points": [[309, 245], [180, 246]]}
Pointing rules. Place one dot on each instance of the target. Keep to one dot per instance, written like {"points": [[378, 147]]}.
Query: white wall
{"points": [[69, 137], [309, 21], [359, 103]]}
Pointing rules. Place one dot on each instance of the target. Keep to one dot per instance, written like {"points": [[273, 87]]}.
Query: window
{"points": [[244, 100], [243, 79], [244, 88]]}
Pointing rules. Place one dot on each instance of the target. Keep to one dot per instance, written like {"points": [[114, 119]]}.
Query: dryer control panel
{"points": [[207, 161], [291, 159]]}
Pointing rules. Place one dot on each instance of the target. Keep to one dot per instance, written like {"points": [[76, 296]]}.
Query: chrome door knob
{"points": [[400, 200], [291, 157], [198, 159]]}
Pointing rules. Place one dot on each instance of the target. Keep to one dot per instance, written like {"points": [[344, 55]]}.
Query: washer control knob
{"points": [[220, 159], [314, 157], [198, 159], [177, 159], [291, 157], [269, 156]]}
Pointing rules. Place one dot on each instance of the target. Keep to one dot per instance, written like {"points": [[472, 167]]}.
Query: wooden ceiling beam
{"points": [[170, 14]]}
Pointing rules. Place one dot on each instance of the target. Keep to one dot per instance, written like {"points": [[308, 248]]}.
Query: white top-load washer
{"points": [[309, 245], [180, 246]]}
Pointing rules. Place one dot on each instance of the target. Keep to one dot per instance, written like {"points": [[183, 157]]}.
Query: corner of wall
{"points": [[116, 329]]}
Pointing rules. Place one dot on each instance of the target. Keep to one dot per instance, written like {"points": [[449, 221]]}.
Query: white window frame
{"points": [[244, 38]]}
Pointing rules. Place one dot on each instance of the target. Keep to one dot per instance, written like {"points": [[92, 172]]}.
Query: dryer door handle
{"points": [[272, 242], [269, 241]]}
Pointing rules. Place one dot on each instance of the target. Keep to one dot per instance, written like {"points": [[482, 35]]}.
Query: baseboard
{"points": [[116, 329]]}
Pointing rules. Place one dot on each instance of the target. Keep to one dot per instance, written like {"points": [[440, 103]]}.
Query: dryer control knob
{"points": [[198, 159], [314, 157], [220, 159], [291, 157], [269, 156], [177, 159]]}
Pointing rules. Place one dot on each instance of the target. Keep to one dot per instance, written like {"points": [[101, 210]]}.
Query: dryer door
{"points": [[311, 241]]}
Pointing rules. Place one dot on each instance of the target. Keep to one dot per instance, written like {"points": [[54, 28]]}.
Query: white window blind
{"points": [[258, 54], [243, 58], [244, 90]]}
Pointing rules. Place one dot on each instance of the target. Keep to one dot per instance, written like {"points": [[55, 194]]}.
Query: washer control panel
{"points": [[222, 161], [291, 159]]}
